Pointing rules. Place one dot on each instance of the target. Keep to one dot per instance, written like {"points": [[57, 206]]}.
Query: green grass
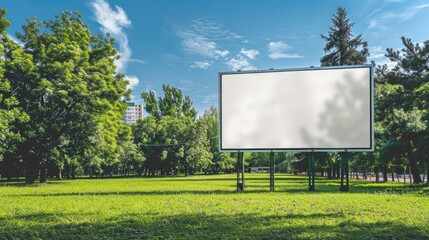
{"points": [[208, 207]]}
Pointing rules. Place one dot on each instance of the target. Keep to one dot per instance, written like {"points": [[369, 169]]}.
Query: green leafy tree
{"points": [[171, 104], [73, 82], [222, 161], [172, 139], [12, 61], [131, 160]]}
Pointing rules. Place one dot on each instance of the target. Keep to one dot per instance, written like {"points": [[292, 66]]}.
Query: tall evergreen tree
{"points": [[342, 48]]}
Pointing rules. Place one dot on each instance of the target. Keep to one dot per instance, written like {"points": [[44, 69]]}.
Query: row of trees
{"points": [[62, 102]]}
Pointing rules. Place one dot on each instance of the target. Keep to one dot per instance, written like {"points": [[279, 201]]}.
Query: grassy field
{"points": [[208, 207]]}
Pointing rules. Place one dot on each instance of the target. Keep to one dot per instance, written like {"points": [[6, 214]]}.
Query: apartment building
{"points": [[133, 113]]}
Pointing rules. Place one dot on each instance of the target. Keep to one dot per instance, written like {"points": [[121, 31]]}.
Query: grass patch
{"points": [[208, 207]]}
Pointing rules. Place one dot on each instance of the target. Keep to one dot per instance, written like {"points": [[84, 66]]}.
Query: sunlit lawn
{"points": [[208, 207]]}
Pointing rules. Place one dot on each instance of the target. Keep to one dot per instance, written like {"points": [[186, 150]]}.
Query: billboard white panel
{"points": [[320, 109]]}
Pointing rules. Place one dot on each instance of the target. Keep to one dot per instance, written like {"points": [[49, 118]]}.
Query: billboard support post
{"points": [[272, 170], [344, 187], [240, 171], [311, 172]]}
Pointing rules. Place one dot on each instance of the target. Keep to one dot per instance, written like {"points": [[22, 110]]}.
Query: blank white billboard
{"points": [[314, 109]]}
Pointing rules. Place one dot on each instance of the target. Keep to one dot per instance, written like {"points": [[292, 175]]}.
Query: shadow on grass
{"points": [[23, 184], [217, 226], [355, 188]]}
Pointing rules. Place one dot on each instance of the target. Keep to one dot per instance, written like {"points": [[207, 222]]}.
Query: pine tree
{"points": [[341, 47]]}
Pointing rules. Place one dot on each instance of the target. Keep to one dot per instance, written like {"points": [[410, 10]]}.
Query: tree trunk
{"points": [[338, 170], [385, 174], [393, 174], [31, 168], [43, 174], [427, 173], [59, 175], [377, 178], [413, 164]]}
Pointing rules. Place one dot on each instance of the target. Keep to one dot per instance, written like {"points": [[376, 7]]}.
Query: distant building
{"points": [[133, 113]]}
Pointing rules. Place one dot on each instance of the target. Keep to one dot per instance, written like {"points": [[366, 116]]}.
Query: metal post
{"points": [[311, 172], [272, 170], [240, 171], [344, 172]]}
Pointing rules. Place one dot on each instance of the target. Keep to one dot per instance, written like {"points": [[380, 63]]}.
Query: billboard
{"points": [[309, 109]]}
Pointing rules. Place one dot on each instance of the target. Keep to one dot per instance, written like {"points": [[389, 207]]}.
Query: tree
{"points": [[405, 91], [130, 158], [171, 104], [222, 161], [341, 47], [12, 60], [172, 139], [73, 82]]}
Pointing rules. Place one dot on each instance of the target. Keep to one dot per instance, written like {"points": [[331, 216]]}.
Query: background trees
{"points": [[402, 100], [62, 102], [174, 140]]}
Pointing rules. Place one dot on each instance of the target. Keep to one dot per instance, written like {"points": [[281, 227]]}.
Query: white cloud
{"points": [[251, 53], [196, 44], [114, 21], [276, 55], [242, 60], [277, 50], [133, 81], [202, 65], [239, 63], [380, 20], [372, 24], [377, 52], [413, 10], [201, 38], [277, 46], [137, 60], [209, 98]]}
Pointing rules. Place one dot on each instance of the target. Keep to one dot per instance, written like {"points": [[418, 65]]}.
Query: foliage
{"points": [[172, 138], [402, 101], [12, 59]]}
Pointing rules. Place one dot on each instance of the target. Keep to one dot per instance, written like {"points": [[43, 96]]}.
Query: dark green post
{"points": [[272, 170], [311, 172], [240, 171], [344, 172]]}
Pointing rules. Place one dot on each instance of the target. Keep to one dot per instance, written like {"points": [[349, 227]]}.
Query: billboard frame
{"points": [[371, 86]]}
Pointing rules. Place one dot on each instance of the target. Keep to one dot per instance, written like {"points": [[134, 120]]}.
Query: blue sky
{"points": [[186, 43]]}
